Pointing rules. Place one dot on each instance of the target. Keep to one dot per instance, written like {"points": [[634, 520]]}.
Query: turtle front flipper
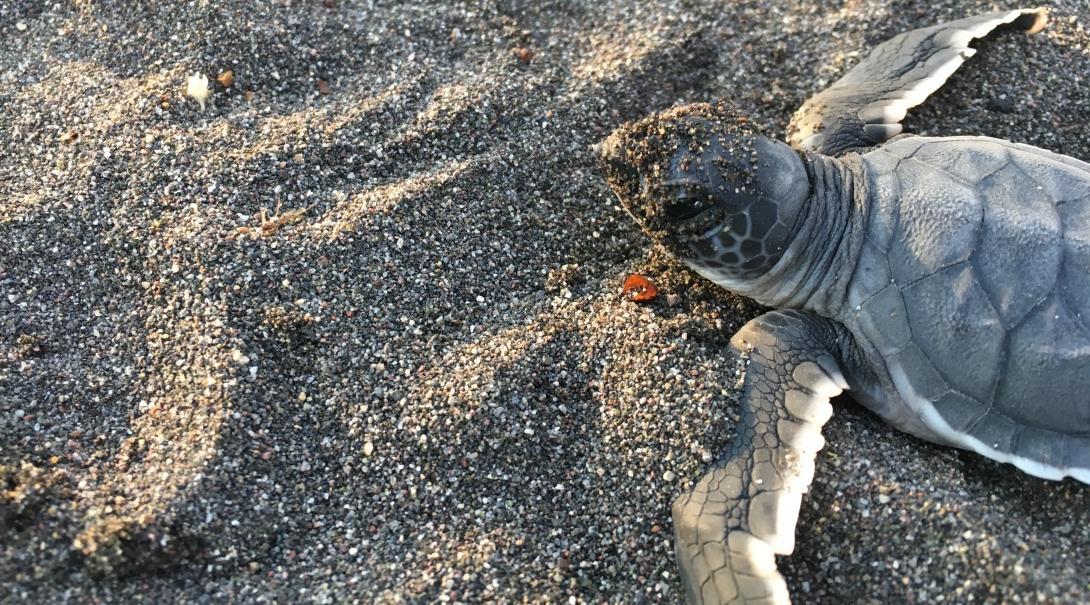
{"points": [[866, 106], [730, 526]]}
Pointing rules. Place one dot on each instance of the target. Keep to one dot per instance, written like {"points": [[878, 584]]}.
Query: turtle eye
{"points": [[686, 205]]}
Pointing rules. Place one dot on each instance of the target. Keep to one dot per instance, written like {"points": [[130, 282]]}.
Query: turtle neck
{"points": [[815, 270]]}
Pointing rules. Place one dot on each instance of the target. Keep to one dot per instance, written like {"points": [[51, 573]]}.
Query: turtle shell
{"points": [[973, 288]]}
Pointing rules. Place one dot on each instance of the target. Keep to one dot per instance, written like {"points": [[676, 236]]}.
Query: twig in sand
{"points": [[270, 225]]}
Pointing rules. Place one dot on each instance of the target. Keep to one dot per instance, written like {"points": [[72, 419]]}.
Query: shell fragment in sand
{"points": [[196, 88]]}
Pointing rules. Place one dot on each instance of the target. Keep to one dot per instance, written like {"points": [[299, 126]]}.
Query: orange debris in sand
{"points": [[525, 55], [641, 288]]}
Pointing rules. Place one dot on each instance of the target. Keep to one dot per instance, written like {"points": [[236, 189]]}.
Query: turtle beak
{"points": [[616, 159]]}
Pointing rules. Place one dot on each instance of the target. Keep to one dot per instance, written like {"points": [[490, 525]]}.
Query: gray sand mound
{"points": [[354, 332]]}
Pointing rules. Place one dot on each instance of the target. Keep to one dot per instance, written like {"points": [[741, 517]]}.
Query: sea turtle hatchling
{"points": [[944, 281]]}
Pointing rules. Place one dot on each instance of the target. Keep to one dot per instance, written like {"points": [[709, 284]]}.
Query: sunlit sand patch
{"points": [[102, 99], [222, 142], [172, 227], [1064, 31], [283, 134], [70, 151], [844, 52], [19, 205], [465, 378], [608, 54], [174, 435], [348, 211], [278, 137], [217, 143], [460, 371], [447, 100], [453, 111], [359, 111], [469, 552], [850, 11]]}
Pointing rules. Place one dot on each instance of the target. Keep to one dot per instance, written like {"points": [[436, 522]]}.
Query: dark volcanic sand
{"points": [[418, 382]]}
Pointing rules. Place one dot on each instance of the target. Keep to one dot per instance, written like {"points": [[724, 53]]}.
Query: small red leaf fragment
{"points": [[323, 87], [639, 288]]}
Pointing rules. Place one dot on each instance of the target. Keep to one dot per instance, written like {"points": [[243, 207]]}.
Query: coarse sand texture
{"points": [[347, 326]]}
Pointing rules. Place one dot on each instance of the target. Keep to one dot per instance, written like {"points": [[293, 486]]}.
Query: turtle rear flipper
{"points": [[866, 106], [731, 524]]}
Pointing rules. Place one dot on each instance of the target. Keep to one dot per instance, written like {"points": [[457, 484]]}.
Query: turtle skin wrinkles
{"points": [[974, 280]]}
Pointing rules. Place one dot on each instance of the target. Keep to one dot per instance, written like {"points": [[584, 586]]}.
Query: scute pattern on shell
{"points": [[994, 311]]}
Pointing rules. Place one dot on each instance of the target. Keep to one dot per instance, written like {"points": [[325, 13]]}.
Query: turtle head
{"points": [[703, 182]]}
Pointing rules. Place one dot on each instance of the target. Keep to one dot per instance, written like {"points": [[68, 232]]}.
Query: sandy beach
{"points": [[354, 332]]}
